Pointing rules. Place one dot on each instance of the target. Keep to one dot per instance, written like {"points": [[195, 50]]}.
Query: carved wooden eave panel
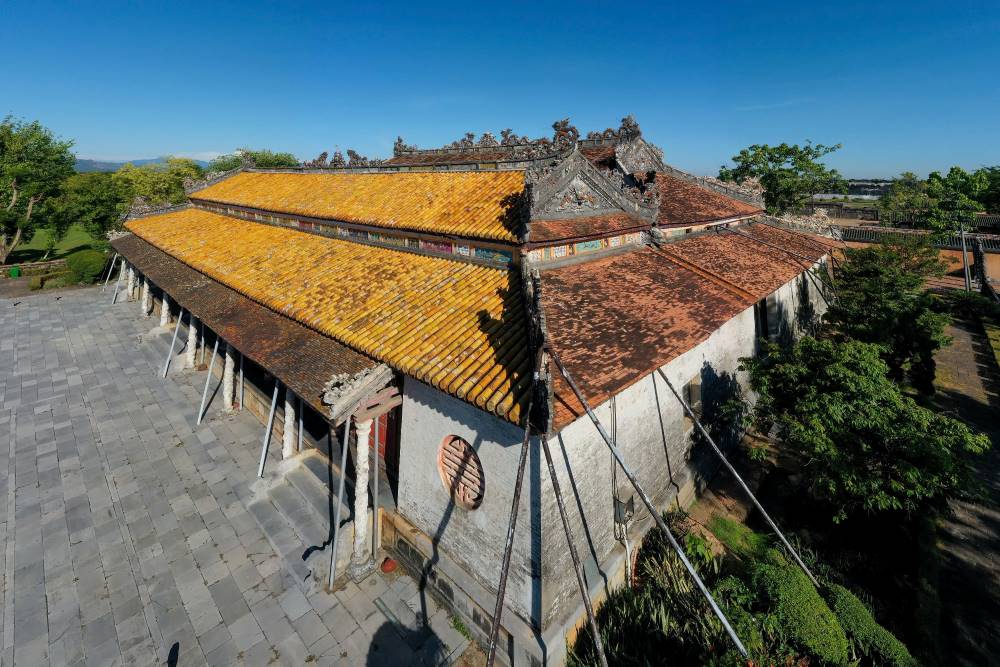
{"points": [[573, 187]]}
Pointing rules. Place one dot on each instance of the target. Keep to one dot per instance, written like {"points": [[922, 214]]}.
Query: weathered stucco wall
{"points": [[649, 425], [469, 540], [655, 438]]}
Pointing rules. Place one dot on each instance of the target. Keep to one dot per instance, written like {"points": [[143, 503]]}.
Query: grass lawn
{"points": [[76, 239]]}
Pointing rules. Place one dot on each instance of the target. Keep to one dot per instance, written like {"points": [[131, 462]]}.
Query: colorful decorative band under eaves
{"points": [[458, 326]]}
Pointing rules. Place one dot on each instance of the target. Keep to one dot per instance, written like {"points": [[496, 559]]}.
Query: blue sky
{"points": [[903, 85]]}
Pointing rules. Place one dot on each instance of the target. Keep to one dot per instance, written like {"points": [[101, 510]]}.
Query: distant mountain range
{"points": [[83, 164]]}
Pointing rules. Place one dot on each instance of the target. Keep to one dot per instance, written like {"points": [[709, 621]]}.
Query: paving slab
{"points": [[127, 534]]}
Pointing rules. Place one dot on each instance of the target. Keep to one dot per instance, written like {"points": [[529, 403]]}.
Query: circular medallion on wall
{"points": [[461, 472]]}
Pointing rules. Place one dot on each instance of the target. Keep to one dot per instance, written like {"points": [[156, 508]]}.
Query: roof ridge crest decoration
{"points": [[141, 208], [564, 138], [622, 190], [192, 185]]}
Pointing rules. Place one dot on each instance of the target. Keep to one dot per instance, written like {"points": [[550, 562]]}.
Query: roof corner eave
{"points": [[344, 393]]}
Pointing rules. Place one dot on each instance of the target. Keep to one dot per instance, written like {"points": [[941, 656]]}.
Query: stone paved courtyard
{"points": [[124, 526]]}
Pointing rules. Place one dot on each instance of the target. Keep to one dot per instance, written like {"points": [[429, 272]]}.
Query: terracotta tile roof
{"points": [[595, 226], [614, 320], [298, 356], [457, 326], [466, 204], [686, 203], [602, 156], [757, 268], [802, 243]]}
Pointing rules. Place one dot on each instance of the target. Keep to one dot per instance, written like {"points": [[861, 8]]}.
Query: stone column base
{"points": [[360, 571]]}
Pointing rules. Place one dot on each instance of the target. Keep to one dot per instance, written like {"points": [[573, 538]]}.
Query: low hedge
{"points": [[870, 640], [86, 265], [51, 280], [800, 614]]}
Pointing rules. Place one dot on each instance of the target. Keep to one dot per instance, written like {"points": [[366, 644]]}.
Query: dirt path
{"points": [[970, 540]]}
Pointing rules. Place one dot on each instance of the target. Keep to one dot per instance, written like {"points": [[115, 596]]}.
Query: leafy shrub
{"points": [[62, 279], [665, 617], [869, 639], [86, 265], [799, 613], [738, 539], [51, 280]]}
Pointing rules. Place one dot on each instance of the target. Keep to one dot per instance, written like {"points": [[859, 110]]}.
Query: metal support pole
{"points": [[375, 475], [725, 461], [270, 426], [111, 269], [509, 547], [208, 380], [241, 381], [577, 566], [118, 282], [335, 540], [649, 504], [965, 261], [819, 288], [170, 352]]}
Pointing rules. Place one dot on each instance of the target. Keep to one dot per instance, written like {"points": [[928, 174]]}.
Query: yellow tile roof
{"points": [[457, 326], [469, 204]]}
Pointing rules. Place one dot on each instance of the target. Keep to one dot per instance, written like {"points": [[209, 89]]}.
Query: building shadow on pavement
{"points": [[393, 645]]}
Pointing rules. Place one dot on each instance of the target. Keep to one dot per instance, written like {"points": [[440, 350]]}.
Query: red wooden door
{"points": [[385, 435]]}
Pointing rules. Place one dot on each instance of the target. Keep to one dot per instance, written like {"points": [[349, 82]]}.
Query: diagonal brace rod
{"points": [[649, 505], [173, 342], [725, 461], [111, 269], [118, 282], [208, 380], [812, 278], [335, 540], [270, 426], [577, 566], [509, 545]]}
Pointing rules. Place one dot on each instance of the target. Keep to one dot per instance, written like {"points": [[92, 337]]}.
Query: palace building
{"points": [[395, 325]]}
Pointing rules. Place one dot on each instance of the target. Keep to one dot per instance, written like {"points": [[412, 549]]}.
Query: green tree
{"points": [[263, 158], [33, 165], [881, 299], [907, 198], [158, 182], [96, 200], [955, 198], [865, 447], [989, 196], [790, 174]]}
